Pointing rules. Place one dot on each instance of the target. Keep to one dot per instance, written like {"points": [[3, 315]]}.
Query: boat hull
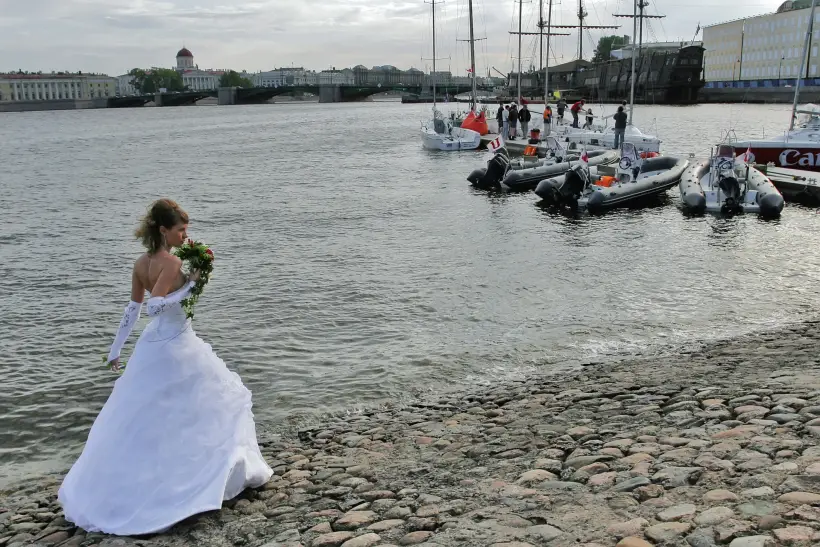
{"points": [[789, 155], [458, 139], [657, 176], [699, 195]]}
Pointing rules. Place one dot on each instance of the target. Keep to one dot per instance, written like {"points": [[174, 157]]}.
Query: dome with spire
{"points": [[185, 59]]}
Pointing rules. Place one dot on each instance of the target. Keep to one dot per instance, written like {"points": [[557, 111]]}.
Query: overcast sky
{"points": [[113, 36]]}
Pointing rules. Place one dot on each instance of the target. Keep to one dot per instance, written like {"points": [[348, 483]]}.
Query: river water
{"points": [[354, 268]]}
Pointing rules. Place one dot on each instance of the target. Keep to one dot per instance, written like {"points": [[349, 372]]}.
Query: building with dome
{"points": [[762, 51], [185, 59]]}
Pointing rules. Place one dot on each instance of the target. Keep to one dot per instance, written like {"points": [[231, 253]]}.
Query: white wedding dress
{"points": [[175, 438]]}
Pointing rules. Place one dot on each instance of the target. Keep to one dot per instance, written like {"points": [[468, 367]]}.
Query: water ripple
{"points": [[353, 267]]}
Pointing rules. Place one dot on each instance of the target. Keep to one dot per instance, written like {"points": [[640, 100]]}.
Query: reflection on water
{"points": [[350, 271]]}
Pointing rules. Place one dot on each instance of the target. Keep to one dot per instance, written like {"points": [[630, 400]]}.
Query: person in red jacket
{"points": [[576, 108]]}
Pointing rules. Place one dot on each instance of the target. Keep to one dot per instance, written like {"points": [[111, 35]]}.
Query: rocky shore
{"points": [[720, 446]]}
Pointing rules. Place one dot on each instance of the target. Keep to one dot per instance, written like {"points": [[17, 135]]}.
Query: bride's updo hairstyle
{"points": [[163, 212]]}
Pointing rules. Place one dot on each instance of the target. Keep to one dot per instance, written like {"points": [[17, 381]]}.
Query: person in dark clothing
{"points": [[513, 121], [620, 126], [524, 117], [561, 106], [499, 116]]}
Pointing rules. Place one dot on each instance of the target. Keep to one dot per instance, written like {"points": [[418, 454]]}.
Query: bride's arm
{"points": [[129, 319], [160, 299]]}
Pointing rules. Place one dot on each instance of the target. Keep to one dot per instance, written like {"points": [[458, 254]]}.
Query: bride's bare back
{"points": [[159, 273]]}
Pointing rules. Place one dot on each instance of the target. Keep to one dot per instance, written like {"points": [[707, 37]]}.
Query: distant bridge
{"points": [[331, 93]]}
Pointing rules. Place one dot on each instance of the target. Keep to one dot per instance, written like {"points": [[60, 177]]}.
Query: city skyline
{"points": [[106, 37]]}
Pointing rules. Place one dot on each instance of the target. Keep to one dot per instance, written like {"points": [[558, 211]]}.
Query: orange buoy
{"points": [[606, 181], [645, 155]]}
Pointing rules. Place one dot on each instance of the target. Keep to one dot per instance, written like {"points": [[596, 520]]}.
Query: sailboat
{"points": [[790, 158], [474, 120], [602, 137], [441, 133]]}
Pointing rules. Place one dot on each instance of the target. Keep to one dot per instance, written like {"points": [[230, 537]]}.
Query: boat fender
{"points": [[595, 202], [695, 202], [477, 175], [646, 155], [546, 190], [771, 205]]}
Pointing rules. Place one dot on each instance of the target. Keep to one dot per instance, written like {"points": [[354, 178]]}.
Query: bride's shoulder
{"points": [[162, 259]]}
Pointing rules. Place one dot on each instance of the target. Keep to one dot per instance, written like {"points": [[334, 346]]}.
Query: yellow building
{"points": [[49, 87], [764, 47]]}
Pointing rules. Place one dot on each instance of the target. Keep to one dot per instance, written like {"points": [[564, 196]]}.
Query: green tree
{"points": [[233, 79], [151, 81], [605, 46]]}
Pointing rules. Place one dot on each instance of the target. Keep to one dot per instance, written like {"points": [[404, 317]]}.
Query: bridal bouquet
{"points": [[196, 256]]}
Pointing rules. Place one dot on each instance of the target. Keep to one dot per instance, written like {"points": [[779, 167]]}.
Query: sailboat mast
{"points": [[547, 64], [803, 63], [632, 76], [540, 35], [474, 99], [520, 18], [433, 4]]}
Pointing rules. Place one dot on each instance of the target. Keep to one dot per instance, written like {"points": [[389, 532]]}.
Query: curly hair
{"points": [[162, 213]]}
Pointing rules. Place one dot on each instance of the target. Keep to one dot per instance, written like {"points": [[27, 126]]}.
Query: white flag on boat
{"points": [[495, 144]]}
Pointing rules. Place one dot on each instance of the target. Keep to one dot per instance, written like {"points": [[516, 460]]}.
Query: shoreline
{"points": [[716, 446]]}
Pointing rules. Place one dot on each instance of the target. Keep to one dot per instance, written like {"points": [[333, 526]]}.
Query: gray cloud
{"points": [[113, 36]]}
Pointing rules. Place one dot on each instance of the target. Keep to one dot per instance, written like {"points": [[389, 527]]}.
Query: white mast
{"points": [[806, 46], [520, 17], [474, 99], [547, 63], [632, 77]]}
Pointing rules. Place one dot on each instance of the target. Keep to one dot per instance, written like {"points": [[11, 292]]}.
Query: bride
{"points": [[176, 437]]}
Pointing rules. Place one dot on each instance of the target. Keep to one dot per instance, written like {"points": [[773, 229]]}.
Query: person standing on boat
{"points": [[620, 126], [499, 116], [576, 109], [561, 106], [590, 117], [547, 120], [513, 121], [524, 117], [505, 125]]}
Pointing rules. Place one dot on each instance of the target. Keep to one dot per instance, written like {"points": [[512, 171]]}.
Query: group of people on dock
{"points": [[510, 118]]}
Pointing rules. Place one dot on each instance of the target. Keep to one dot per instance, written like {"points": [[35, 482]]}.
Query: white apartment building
{"points": [[763, 47]]}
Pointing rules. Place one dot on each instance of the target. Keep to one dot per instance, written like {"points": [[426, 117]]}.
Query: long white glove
{"points": [[157, 304], [129, 319]]}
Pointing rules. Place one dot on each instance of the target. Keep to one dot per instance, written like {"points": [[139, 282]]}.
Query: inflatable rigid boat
{"points": [[524, 176], [606, 187], [723, 184]]}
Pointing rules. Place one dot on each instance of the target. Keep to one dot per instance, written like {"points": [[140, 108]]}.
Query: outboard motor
{"points": [[490, 178], [732, 192], [566, 193]]}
